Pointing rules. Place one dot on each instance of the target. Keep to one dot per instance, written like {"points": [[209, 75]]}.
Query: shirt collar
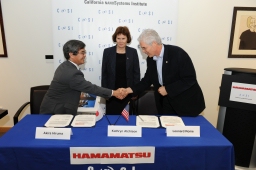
{"points": [[74, 64], [161, 54]]}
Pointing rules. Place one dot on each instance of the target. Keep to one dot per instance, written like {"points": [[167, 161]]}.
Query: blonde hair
{"points": [[249, 19]]}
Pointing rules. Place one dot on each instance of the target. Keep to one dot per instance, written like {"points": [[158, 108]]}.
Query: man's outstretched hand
{"points": [[121, 93]]}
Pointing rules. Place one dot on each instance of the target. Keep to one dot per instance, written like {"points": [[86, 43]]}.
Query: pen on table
{"points": [[141, 118]]}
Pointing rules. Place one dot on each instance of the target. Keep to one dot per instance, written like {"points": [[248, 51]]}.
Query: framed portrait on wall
{"points": [[3, 50], [243, 33]]}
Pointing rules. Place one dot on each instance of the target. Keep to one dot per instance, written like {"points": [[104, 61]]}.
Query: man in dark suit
{"points": [[68, 82], [171, 71]]}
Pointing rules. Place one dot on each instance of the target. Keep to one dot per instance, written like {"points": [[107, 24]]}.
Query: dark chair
{"points": [[3, 113], [36, 96], [145, 104]]}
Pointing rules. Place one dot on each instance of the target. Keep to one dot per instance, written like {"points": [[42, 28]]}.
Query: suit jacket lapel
{"points": [[128, 59], [165, 64], [154, 69], [113, 60]]}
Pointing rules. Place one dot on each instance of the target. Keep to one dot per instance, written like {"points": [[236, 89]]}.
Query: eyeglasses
{"points": [[83, 53]]}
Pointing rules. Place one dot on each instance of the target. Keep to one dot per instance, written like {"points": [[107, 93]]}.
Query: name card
{"points": [[183, 131], [53, 133], [124, 131], [244, 93]]}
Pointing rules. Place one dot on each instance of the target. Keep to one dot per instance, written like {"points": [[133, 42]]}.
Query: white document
{"points": [[59, 121], [171, 121], [84, 121], [147, 121]]}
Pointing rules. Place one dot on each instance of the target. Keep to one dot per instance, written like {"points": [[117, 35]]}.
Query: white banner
{"points": [[244, 93], [94, 23], [112, 155]]}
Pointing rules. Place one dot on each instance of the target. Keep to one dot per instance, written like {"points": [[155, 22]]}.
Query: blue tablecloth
{"points": [[20, 150]]}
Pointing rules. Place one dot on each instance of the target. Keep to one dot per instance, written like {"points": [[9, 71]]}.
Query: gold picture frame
{"points": [[3, 49], [243, 33]]}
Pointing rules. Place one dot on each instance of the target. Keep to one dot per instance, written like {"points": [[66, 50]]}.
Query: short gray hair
{"points": [[148, 36]]}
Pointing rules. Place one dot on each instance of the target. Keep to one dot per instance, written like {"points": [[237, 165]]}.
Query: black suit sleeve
{"points": [[79, 83], [136, 67], [146, 81]]}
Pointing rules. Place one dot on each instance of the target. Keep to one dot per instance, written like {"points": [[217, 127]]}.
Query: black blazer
{"points": [[179, 79], [108, 71]]}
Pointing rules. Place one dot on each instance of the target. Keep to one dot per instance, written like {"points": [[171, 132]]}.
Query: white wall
{"points": [[28, 29], [203, 31]]}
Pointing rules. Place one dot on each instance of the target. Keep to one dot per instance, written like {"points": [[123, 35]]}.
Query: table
{"points": [[3, 113], [20, 150]]}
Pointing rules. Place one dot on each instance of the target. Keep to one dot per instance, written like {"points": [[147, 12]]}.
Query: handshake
{"points": [[121, 93]]}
